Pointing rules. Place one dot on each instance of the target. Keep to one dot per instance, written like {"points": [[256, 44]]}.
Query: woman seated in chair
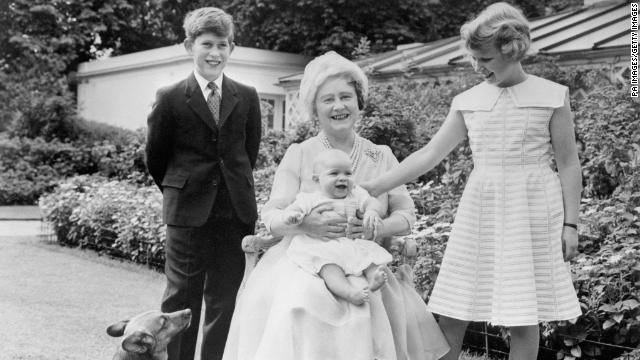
{"points": [[287, 313]]}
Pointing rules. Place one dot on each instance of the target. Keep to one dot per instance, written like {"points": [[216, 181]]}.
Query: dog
{"points": [[146, 335]]}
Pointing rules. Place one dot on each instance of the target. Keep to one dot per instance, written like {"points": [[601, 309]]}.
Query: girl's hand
{"points": [[372, 222], [293, 217], [569, 243], [323, 222]]}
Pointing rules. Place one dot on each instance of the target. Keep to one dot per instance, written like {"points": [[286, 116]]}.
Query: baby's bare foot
{"points": [[378, 278], [359, 296]]}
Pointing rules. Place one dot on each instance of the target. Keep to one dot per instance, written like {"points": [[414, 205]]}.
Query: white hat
{"points": [[321, 68]]}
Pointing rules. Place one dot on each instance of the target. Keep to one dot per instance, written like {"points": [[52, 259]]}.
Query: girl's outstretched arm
{"points": [[566, 155], [453, 130]]}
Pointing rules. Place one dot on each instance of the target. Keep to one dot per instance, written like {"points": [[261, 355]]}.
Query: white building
{"points": [[120, 90]]}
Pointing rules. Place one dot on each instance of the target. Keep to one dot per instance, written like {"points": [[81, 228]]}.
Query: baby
{"points": [[334, 259]]}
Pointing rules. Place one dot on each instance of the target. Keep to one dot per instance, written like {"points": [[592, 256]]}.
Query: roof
{"points": [[599, 30]]}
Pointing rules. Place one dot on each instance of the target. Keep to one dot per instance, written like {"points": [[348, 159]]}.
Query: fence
{"points": [[494, 346]]}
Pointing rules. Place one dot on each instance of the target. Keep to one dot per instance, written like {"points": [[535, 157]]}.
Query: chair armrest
{"points": [[253, 246], [405, 247], [257, 243]]}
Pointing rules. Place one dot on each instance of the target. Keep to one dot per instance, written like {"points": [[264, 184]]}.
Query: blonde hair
{"points": [[330, 65], [500, 25], [326, 157], [208, 19]]}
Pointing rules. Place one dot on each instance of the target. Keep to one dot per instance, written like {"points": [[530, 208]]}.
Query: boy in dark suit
{"points": [[202, 145]]}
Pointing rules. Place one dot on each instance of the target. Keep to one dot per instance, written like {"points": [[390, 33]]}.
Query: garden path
{"points": [[56, 302]]}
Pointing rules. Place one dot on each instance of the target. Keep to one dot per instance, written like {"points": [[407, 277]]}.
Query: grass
{"points": [[57, 302], [468, 356]]}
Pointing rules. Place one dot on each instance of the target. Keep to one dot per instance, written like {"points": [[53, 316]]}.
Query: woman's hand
{"points": [[569, 243], [323, 222], [354, 227]]}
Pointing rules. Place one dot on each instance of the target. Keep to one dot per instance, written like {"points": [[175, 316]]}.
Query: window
{"points": [[272, 108]]}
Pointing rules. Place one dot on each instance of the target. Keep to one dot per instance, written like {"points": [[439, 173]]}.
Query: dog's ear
{"points": [[139, 342], [117, 329]]}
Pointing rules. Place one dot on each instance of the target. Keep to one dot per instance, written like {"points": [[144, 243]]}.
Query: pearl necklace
{"points": [[355, 154]]}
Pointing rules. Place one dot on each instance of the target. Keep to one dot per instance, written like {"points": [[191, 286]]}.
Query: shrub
{"points": [[58, 206], [273, 145], [609, 300], [608, 127], [112, 217], [116, 218], [385, 122], [122, 157], [31, 167], [47, 116]]}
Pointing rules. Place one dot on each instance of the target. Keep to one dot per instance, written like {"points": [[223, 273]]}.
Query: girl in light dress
{"points": [[504, 258], [334, 259]]}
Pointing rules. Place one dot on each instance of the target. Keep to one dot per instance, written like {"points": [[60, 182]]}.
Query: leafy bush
{"points": [[385, 122], [58, 206], [608, 126], [49, 117], [273, 145], [112, 217], [122, 159], [117, 218], [30, 167]]}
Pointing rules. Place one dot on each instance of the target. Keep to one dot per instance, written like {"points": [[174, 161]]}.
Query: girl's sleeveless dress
{"points": [[503, 262]]}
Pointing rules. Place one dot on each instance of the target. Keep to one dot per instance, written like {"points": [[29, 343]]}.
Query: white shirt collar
{"points": [[202, 82]]}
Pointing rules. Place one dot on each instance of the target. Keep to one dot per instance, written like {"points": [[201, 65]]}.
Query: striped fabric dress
{"points": [[503, 263]]}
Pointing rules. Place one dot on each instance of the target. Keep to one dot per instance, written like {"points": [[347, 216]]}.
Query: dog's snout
{"points": [[185, 317], [185, 314]]}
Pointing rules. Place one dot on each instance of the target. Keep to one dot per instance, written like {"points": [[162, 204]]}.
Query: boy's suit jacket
{"points": [[188, 154]]}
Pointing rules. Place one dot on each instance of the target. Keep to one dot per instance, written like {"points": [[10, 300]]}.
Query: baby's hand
{"points": [[371, 222], [293, 217]]}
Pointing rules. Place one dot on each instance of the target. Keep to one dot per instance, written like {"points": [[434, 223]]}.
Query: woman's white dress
{"points": [[287, 313], [503, 262]]}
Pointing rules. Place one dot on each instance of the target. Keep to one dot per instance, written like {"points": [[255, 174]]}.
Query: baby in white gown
{"points": [[335, 259]]}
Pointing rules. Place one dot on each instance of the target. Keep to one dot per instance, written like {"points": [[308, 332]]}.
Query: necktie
{"points": [[214, 101]]}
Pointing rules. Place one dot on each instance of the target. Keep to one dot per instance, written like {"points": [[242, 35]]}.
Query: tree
{"points": [[315, 26], [43, 41]]}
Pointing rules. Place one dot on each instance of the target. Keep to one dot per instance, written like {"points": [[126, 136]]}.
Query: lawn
{"points": [[57, 302]]}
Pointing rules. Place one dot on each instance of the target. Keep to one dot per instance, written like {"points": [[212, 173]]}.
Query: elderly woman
{"points": [[286, 313]]}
